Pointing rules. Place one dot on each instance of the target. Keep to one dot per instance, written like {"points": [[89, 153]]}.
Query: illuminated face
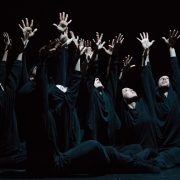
{"points": [[163, 81], [97, 83], [128, 93]]}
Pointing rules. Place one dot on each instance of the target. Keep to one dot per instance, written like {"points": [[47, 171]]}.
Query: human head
{"points": [[163, 82], [128, 94], [97, 83]]}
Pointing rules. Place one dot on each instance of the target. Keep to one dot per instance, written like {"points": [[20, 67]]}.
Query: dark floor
{"points": [[170, 174]]}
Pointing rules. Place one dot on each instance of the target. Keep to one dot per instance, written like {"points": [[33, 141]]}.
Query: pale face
{"points": [[163, 81], [97, 83], [128, 93]]}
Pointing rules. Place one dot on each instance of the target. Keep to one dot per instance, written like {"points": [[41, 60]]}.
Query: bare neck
{"points": [[132, 105]]}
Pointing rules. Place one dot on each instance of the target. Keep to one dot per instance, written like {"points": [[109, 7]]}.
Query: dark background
{"points": [[110, 17]]}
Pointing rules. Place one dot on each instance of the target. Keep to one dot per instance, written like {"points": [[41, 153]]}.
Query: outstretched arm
{"points": [[126, 67], [28, 32], [113, 66], [8, 44], [92, 58], [147, 80], [76, 77], [45, 122], [16, 71], [63, 60], [146, 44], [175, 71], [14, 76]]}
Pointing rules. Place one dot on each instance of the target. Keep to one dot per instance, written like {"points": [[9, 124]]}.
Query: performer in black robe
{"points": [[44, 157], [103, 123], [12, 151]]}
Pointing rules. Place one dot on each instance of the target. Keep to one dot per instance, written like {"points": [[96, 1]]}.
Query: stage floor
{"points": [[170, 174]]}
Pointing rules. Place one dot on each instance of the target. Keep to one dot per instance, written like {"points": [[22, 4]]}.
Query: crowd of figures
{"points": [[122, 130]]}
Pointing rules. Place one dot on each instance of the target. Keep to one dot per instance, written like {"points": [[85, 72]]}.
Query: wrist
{"points": [[172, 52]]}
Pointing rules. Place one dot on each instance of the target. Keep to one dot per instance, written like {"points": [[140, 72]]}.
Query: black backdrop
{"points": [[88, 16]]}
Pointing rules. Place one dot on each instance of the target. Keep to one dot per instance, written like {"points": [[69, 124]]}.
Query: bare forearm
{"points": [[5, 55], [172, 52], [78, 65], [145, 57], [20, 56]]}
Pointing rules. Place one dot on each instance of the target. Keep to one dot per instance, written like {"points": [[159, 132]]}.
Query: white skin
{"points": [[80, 45], [163, 81], [1, 87], [97, 83], [8, 44], [27, 30], [99, 45], [146, 44], [33, 73], [62, 88], [63, 22], [129, 94]]}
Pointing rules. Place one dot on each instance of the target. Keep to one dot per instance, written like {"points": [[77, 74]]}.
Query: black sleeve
{"points": [[61, 76], [14, 76], [45, 118], [25, 75], [112, 84], [73, 89], [27, 89], [175, 74], [42, 87], [2, 72], [91, 74], [148, 86]]}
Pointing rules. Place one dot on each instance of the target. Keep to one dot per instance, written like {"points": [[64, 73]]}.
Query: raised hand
{"points": [[48, 49], [173, 37], [27, 30], [89, 52], [53, 45], [7, 41], [111, 44], [63, 22], [82, 48], [74, 39], [126, 66], [144, 40], [98, 41], [127, 61], [115, 43]]}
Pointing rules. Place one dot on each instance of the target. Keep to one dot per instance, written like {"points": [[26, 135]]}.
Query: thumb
{"points": [[164, 39]]}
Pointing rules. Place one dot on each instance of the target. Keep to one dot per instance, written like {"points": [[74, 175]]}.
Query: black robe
{"points": [[12, 151], [168, 109], [103, 123], [140, 124], [44, 158], [63, 107]]}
